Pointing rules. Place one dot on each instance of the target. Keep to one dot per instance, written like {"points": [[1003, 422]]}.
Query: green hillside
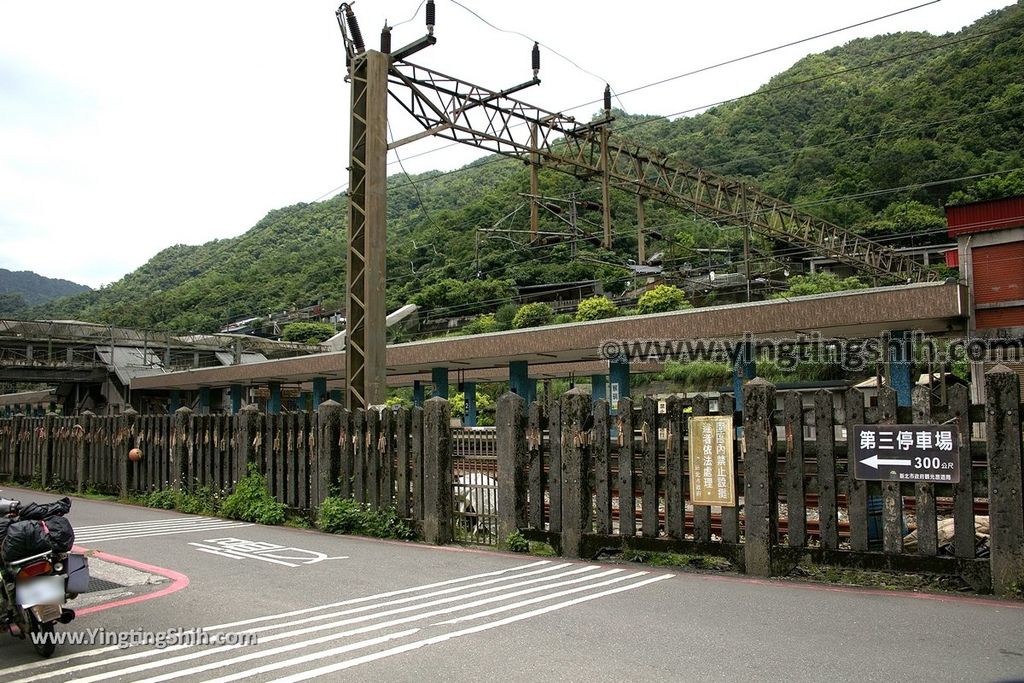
{"points": [[20, 289], [835, 133]]}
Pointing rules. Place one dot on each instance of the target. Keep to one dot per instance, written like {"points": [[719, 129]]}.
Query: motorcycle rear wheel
{"points": [[46, 644]]}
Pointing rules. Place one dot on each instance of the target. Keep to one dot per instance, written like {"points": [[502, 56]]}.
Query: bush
{"points": [[533, 315], [483, 324], [307, 333], [165, 500], [517, 543], [596, 308], [251, 502], [346, 516], [662, 299], [505, 314]]}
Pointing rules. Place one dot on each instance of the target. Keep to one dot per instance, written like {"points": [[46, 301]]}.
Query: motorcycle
{"points": [[38, 572]]}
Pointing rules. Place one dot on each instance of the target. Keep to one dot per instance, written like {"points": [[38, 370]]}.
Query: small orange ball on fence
{"points": [[135, 454]]}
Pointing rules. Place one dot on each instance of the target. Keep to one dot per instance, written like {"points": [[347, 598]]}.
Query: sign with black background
{"points": [[912, 453]]}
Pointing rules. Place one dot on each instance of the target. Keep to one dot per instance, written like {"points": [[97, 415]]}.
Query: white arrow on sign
{"points": [[874, 461]]}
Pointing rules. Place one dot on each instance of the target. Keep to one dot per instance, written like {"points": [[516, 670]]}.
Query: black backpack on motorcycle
{"points": [[34, 537], [45, 510]]}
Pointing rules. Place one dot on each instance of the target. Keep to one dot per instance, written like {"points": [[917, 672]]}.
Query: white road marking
{"points": [[324, 670], [218, 627], [83, 537], [368, 623]]}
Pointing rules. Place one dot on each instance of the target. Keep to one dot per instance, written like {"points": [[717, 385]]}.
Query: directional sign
{"points": [[924, 453]]}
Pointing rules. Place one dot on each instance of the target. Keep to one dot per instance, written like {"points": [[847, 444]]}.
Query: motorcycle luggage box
{"points": [[78, 573]]}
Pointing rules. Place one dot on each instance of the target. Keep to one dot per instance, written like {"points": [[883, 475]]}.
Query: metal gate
{"points": [[475, 485]]}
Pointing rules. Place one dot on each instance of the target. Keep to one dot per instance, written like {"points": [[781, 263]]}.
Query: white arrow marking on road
{"points": [[874, 461]]}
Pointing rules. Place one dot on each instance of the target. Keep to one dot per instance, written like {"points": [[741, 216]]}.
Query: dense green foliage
{"points": [[307, 333], [251, 502], [347, 516], [818, 283], [662, 299], [874, 135], [596, 308], [533, 315]]}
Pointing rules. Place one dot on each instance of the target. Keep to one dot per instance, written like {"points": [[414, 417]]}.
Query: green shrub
{"points": [[596, 308], [165, 500], [517, 543], [533, 315], [483, 324], [251, 502], [307, 333], [346, 516], [661, 299]]}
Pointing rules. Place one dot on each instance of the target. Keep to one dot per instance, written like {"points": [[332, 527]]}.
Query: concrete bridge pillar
{"points": [[519, 379], [744, 370], [204, 401], [469, 392], [236, 398], [319, 391], [417, 393], [439, 377], [618, 373], [175, 401], [900, 364], [274, 403]]}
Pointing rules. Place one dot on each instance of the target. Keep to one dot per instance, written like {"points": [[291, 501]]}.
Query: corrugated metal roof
{"points": [[130, 361], [226, 358], [998, 214]]}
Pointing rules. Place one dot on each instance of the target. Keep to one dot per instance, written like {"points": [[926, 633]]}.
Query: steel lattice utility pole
{"points": [[367, 225]]}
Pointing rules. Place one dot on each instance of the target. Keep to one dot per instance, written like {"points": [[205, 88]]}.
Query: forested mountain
{"points": [[20, 289], [875, 135]]}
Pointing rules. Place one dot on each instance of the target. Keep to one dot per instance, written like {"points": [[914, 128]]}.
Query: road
{"points": [[342, 608]]}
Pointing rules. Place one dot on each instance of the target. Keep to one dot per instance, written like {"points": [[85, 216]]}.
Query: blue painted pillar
{"points": [[175, 401], [469, 392], [531, 390], [598, 387], [236, 398], [900, 353], [274, 403], [336, 395], [204, 400], [301, 403], [439, 377], [319, 391], [618, 373], [743, 370], [417, 393], [519, 378]]}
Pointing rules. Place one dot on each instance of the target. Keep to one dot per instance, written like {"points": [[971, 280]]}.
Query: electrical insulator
{"points": [[431, 16], [607, 98], [353, 27], [535, 59], [385, 39]]}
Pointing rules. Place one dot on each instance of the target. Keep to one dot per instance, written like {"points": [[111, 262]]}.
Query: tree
{"points": [[533, 315], [307, 333], [485, 323], [818, 283], [661, 299], [596, 308]]}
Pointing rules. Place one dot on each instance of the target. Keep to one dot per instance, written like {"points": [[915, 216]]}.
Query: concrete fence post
{"points": [[83, 449], [437, 471], [1006, 503], [47, 450], [760, 500], [577, 421], [513, 461], [131, 418], [250, 435], [325, 471], [180, 447]]}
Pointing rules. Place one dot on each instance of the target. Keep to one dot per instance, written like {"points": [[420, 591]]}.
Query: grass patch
{"points": [[885, 580], [541, 549], [684, 560]]}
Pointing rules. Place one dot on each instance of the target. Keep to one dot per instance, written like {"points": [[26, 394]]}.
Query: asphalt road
{"points": [[342, 608]]}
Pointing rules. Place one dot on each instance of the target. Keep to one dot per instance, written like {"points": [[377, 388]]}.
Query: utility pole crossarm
{"points": [[493, 120]]}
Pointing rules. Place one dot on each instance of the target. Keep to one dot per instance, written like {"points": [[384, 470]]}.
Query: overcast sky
{"points": [[126, 127]]}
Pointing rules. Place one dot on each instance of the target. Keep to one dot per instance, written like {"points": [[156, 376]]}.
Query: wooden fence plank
{"points": [[963, 492], [403, 500], [626, 462], [924, 493], [535, 441], [359, 455], [649, 467], [828, 509], [555, 467], [857, 490], [600, 447], [701, 513], [416, 462], [675, 510], [892, 500], [731, 515], [373, 453]]}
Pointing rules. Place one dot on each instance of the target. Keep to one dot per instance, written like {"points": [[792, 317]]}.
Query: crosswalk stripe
{"points": [[294, 640], [148, 534], [324, 670], [244, 622], [148, 522]]}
